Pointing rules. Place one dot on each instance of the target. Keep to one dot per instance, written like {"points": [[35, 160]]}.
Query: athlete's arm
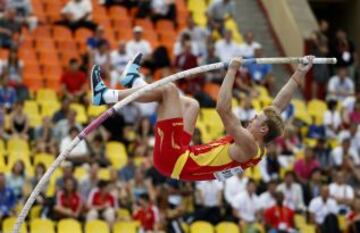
{"points": [[285, 95], [245, 147]]}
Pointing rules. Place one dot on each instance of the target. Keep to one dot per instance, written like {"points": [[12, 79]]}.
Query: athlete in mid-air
{"points": [[176, 118]]}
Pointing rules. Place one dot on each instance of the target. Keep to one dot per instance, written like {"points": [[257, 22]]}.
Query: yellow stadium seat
{"points": [[96, 110], [31, 107], [35, 120], [2, 164], [7, 122], [299, 220], [117, 154], [42, 226], [46, 95], [125, 227], [104, 174], [197, 6], [201, 226], [123, 214], [8, 226], [81, 116], [310, 142], [50, 192], [96, 226], [49, 108], [15, 156], [308, 228], [46, 159], [17, 145], [299, 105], [225, 227], [35, 212], [200, 18], [69, 225], [80, 173], [231, 25], [317, 108], [2, 148]]}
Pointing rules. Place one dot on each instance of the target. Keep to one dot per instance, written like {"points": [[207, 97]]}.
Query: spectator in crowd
{"points": [[353, 133], [268, 198], [322, 154], [8, 96], [62, 128], [270, 165], [235, 185], [80, 154], [62, 112], [44, 136], [311, 189], [247, 49], [354, 116], [163, 9], [74, 82], [292, 192], [41, 199], [68, 203], [10, 28], [348, 105], [97, 151], [353, 219], [343, 49], [303, 168], [146, 212], [101, 203], [19, 122], [90, 181], [246, 112], [98, 38], [119, 58], [289, 142], [127, 173], [279, 218], [67, 172], [77, 14], [246, 207], [261, 74], [131, 114], [323, 207], [198, 35], [341, 85], [139, 185], [184, 40], [101, 57], [138, 44], [341, 192], [210, 193], [343, 151], [16, 178], [226, 48], [215, 76], [7, 200], [217, 13], [332, 119]]}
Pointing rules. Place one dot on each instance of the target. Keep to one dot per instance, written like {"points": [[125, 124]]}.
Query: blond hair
{"points": [[274, 122]]}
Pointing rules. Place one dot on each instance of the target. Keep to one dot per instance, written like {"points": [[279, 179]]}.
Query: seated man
{"points": [[176, 118]]}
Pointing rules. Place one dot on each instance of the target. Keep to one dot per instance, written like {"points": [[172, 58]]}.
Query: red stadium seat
{"points": [[31, 69], [52, 72], [165, 25], [33, 83], [4, 54], [66, 45], [82, 34], [118, 12], [44, 44], [61, 33], [121, 24], [146, 24], [41, 32], [124, 35], [53, 84]]}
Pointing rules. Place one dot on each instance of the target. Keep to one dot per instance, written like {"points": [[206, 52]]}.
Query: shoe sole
{"points": [[132, 61], [92, 84]]}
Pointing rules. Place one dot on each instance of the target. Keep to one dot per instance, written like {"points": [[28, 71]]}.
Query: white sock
{"points": [[111, 96], [139, 82]]}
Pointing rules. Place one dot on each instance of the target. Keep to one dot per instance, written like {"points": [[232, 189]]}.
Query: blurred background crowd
{"points": [[309, 180]]}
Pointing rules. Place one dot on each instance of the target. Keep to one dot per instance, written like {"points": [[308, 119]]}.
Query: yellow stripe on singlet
{"points": [[179, 165]]}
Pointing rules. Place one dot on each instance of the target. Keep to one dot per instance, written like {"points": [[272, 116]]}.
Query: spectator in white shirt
{"points": [[235, 185], [246, 206], [138, 44], [340, 86], [217, 12], [246, 112], [76, 14], [267, 199], [332, 120], [226, 48], [354, 134], [80, 153], [322, 206], [210, 195], [339, 153], [101, 57], [292, 191], [341, 192], [180, 44], [247, 49], [119, 58]]}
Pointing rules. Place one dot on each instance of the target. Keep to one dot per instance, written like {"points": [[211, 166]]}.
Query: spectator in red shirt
{"points": [[73, 82], [146, 213], [279, 218], [101, 203], [305, 166], [68, 200], [353, 219]]}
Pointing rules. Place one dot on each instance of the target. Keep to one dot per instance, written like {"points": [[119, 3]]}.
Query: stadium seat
{"points": [[17, 145], [8, 226], [41, 32], [212, 90], [317, 108], [35, 120], [66, 45], [146, 24], [2, 148], [82, 34], [165, 25], [61, 33], [33, 82], [80, 173], [225, 227], [42, 226], [45, 44], [123, 214], [69, 225], [299, 220], [81, 116], [117, 154], [35, 212], [95, 110], [46, 95], [49, 108], [53, 84], [201, 226], [46, 159], [104, 173], [125, 227], [3, 167], [31, 107], [96, 226], [118, 12], [308, 229]]}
